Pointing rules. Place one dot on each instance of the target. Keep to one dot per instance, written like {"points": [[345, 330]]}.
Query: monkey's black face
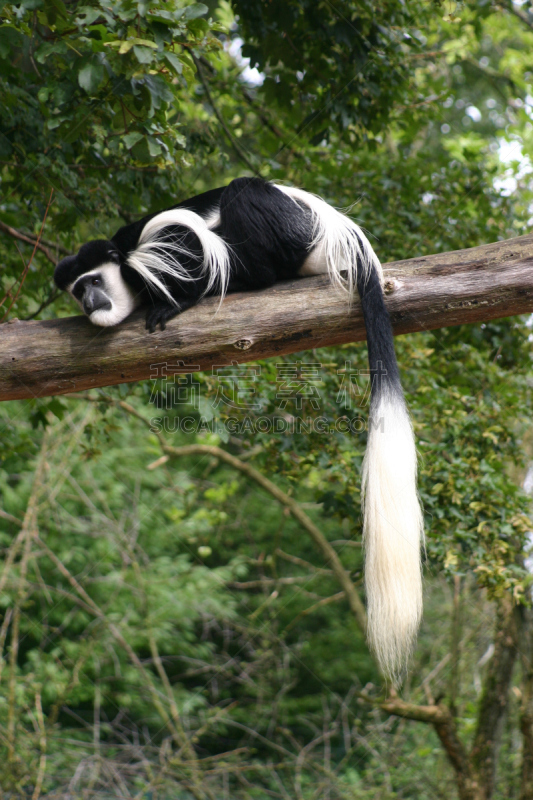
{"points": [[94, 279]]}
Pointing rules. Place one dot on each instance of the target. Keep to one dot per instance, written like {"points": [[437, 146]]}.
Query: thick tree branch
{"points": [[443, 722], [61, 356], [467, 784], [400, 708]]}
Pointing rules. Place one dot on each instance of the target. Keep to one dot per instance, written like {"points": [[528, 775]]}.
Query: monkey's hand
{"points": [[161, 312]]}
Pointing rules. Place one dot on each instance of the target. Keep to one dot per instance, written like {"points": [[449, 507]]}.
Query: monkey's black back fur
{"points": [[274, 242], [268, 233]]}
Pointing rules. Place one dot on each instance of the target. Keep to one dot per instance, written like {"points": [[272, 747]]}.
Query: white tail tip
{"points": [[393, 536]]}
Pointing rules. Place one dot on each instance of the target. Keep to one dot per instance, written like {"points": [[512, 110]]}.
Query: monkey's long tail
{"points": [[393, 529], [393, 525]]}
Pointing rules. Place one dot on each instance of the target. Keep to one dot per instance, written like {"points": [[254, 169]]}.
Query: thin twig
{"points": [[3, 634], [321, 603], [262, 583], [42, 744], [354, 601], [455, 648], [10, 518], [238, 149], [35, 241], [198, 792], [26, 535], [52, 296], [26, 268], [301, 562]]}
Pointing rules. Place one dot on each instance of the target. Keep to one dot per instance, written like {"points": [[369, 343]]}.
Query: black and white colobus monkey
{"points": [[248, 235]]}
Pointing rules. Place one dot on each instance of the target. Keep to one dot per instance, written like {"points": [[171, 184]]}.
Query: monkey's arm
{"points": [[161, 312]]}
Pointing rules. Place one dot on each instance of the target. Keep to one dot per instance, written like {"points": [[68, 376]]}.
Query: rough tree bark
{"points": [[495, 699], [67, 355], [526, 711]]}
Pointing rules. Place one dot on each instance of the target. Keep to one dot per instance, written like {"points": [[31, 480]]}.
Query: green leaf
{"points": [[131, 139], [205, 408], [174, 62], [145, 43], [72, 131], [144, 55], [140, 151], [86, 15], [57, 407], [59, 7], [90, 77], [164, 16], [196, 10], [54, 122], [49, 49], [199, 27], [154, 147]]}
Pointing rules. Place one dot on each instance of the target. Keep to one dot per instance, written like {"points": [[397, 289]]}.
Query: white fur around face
{"points": [[123, 299]]}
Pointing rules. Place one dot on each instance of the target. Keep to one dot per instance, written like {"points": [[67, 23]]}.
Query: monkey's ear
{"points": [[64, 271], [114, 255]]}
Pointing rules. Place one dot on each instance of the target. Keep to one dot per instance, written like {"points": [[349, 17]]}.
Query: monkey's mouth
{"points": [[108, 315], [91, 309]]}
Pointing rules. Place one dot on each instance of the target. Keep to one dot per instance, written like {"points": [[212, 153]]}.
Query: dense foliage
{"points": [[169, 629]]}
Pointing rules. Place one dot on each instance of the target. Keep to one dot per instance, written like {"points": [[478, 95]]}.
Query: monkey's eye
{"points": [[96, 281]]}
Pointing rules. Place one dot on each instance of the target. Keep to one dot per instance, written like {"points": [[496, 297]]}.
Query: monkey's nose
{"points": [[95, 301]]}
